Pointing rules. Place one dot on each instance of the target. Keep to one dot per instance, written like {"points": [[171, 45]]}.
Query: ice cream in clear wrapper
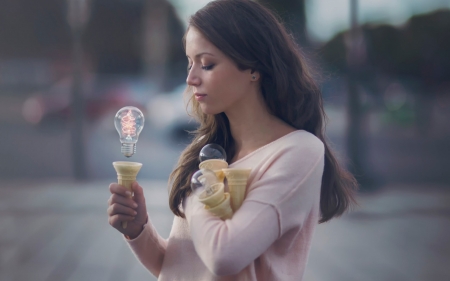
{"points": [[210, 191], [126, 175]]}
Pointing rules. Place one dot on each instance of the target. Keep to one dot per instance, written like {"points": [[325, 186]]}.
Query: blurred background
{"points": [[67, 66]]}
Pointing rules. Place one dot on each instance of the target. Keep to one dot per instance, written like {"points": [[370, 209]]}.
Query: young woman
{"points": [[252, 94]]}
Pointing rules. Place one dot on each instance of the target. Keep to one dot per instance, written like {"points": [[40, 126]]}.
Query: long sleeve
{"points": [[281, 199], [149, 248], [226, 247]]}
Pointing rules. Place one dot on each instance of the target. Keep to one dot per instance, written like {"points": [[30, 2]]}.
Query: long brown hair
{"points": [[253, 38]]}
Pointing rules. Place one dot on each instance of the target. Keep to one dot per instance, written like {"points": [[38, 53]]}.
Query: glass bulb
{"points": [[129, 122], [212, 151], [203, 181]]}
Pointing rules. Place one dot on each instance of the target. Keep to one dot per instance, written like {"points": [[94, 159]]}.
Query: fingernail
{"points": [[128, 193], [135, 205], [135, 213]]}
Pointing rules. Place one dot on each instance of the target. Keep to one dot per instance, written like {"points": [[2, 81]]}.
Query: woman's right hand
{"points": [[124, 208]]}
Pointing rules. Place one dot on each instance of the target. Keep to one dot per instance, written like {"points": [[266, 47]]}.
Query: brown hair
{"points": [[253, 38]]}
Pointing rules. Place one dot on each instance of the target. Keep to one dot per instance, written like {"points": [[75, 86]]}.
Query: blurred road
{"points": [[58, 231]]}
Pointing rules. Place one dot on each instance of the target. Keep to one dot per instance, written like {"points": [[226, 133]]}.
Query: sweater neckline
{"points": [[262, 147]]}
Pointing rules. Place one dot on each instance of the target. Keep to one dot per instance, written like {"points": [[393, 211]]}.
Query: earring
{"points": [[253, 77]]}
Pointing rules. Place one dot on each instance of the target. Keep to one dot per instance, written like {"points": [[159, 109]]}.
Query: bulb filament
{"points": [[129, 125]]}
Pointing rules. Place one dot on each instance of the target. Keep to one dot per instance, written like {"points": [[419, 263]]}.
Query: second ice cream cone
{"points": [[216, 165], [215, 198], [126, 175], [222, 210], [237, 185], [218, 202]]}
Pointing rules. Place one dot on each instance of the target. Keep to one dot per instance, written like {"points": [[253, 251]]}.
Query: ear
{"points": [[254, 75]]}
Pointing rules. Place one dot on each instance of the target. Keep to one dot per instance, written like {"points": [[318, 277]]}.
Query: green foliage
{"points": [[404, 116], [418, 50]]}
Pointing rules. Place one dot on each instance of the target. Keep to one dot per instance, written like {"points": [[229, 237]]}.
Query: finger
{"points": [[119, 189], [117, 209], [139, 198], [138, 193], [116, 220], [119, 199]]}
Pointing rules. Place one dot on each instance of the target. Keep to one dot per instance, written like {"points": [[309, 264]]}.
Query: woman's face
{"points": [[217, 82]]}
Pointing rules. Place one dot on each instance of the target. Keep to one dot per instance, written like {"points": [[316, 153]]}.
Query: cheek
{"points": [[219, 78], [227, 84]]}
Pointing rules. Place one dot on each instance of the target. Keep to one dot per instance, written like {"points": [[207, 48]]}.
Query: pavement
{"points": [[57, 230]]}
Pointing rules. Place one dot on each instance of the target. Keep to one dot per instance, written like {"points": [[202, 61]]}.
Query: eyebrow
{"points": [[201, 54]]}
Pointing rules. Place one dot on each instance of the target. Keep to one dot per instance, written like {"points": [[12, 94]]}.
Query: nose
{"points": [[192, 78]]}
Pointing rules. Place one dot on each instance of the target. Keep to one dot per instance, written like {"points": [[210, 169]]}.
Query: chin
{"points": [[209, 110]]}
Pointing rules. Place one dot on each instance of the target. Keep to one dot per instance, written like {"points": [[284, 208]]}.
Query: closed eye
{"points": [[208, 67]]}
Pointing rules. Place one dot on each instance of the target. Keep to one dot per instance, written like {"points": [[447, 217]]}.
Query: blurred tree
{"points": [[417, 53], [293, 14], [418, 50]]}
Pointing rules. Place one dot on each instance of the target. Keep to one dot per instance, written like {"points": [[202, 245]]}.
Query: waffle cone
{"points": [[214, 199], [216, 165], [213, 164], [237, 185], [223, 210], [237, 193], [220, 175], [126, 175]]}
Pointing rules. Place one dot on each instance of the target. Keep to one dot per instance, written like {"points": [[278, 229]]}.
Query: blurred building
{"points": [[34, 43], [122, 37]]}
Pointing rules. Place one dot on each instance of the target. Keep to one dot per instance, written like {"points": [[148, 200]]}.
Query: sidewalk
{"points": [[58, 230]]}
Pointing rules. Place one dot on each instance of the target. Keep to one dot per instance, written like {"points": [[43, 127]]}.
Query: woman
{"points": [[253, 95]]}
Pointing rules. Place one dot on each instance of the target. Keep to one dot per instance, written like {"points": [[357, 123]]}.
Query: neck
{"points": [[252, 126]]}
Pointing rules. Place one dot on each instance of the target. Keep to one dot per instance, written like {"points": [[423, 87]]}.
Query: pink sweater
{"points": [[268, 238]]}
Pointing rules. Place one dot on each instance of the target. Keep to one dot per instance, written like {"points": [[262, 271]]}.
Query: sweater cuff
{"points": [[144, 228]]}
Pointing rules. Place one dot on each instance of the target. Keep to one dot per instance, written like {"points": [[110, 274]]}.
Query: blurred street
{"points": [[58, 230]]}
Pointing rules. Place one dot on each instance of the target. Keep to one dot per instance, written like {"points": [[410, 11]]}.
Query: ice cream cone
{"points": [[213, 164], [214, 199], [222, 210], [126, 175], [217, 203], [237, 185], [216, 165]]}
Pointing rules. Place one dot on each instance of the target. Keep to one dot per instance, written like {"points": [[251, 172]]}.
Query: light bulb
{"points": [[204, 181], [212, 151], [129, 122]]}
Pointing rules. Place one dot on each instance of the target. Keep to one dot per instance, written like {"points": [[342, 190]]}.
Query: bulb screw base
{"points": [[128, 149]]}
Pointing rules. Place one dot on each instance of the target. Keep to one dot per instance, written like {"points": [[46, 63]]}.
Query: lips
{"points": [[200, 97]]}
